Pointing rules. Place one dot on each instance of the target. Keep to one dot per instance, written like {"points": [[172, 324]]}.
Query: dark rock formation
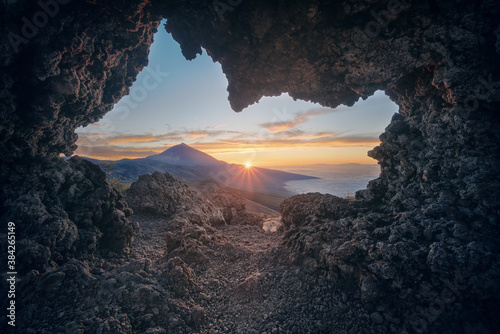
{"points": [[105, 298], [163, 195], [64, 209], [233, 206], [427, 227], [67, 72], [188, 216], [63, 65], [305, 207], [396, 261]]}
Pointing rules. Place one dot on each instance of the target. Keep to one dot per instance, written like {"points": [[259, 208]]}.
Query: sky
{"points": [[177, 101]]}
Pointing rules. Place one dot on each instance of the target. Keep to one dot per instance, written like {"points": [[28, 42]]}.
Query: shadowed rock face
{"points": [[54, 78], [65, 209], [432, 215], [75, 68], [163, 195]]}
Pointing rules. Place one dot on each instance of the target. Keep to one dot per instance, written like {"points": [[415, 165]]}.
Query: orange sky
{"points": [[259, 153], [294, 157]]}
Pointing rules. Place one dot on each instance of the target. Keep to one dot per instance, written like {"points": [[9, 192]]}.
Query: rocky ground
{"points": [[202, 264], [237, 275], [247, 282], [196, 265]]}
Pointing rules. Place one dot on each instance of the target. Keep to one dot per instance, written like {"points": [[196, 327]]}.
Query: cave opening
{"points": [[175, 101], [416, 252]]}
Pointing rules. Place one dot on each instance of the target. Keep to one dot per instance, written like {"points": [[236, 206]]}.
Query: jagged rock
{"points": [[75, 68], [178, 276], [298, 209], [122, 299], [398, 260], [163, 195], [64, 209], [232, 204], [272, 225], [197, 315], [430, 218], [251, 285], [187, 217]]}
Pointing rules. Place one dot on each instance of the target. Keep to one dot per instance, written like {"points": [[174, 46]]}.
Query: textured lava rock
{"points": [[178, 276], [185, 214], [70, 73], [64, 209], [394, 262], [304, 207], [163, 195], [430, 218], [232, 204], [105, 298], [63, 66]]}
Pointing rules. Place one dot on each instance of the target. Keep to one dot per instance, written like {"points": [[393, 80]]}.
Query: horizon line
{"points": [[232, 163]]}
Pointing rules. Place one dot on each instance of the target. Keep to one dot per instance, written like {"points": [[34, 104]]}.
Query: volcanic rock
{"points": [[163, 195], [424, 233]]}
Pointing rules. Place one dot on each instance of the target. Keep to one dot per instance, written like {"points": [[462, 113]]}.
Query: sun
{"points": [[248, 164]]}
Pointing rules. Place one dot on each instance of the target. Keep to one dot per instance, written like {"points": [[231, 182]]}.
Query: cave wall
{"points": [[438, 192], [66, 71], [64, 65]]}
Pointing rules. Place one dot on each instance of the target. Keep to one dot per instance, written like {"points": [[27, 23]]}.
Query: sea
{"points": [[341, 180]]}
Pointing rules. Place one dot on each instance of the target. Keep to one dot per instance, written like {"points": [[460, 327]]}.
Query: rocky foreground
{"points": [[197, 265], [201, 263], [416, 252]]}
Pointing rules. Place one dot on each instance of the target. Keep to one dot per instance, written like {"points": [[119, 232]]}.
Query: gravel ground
{"points": [[247, 282]]}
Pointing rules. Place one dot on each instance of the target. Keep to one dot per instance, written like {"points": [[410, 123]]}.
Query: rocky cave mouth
{"points": [[416, 252], [151, 93]]}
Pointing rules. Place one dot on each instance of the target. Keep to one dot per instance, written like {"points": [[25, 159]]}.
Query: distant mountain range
{"points": [[187, 163]]}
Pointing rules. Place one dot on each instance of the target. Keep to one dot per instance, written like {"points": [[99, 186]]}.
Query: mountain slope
{"points": [[129, 170]]}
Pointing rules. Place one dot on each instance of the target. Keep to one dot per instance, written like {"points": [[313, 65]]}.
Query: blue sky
{"points": [[174, 100]]}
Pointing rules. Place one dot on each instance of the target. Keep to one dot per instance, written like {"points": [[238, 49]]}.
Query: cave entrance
{"points": [[174, 101]]}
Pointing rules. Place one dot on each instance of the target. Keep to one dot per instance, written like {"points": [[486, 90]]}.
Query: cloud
{"points": [[102, 150], [319, 140], [135, 139], [277, 127], [212, 140], [106, 152], [292, 135], [219, 126], [92, 134], [179, 135]]}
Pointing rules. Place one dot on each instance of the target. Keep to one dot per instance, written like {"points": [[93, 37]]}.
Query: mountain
{"points": [[188, 164], [185, 155]]}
